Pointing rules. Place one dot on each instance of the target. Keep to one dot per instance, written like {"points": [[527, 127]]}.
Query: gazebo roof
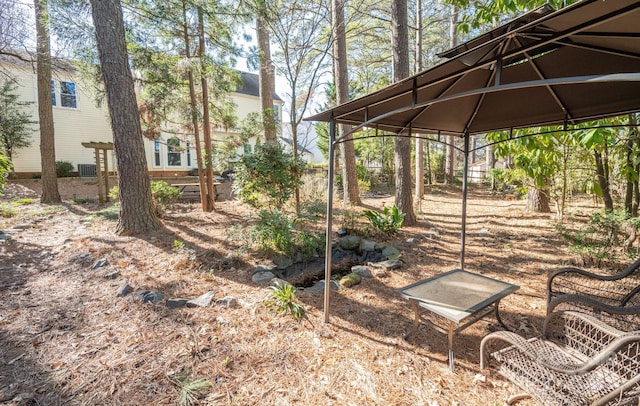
{"points": [[546, 67]]}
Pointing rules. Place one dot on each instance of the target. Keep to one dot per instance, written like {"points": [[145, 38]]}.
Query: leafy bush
{"points": [[282, 299], [164, 193], [269, 176], [64, 169], [274, 232], [607, 235], [161, 191], [5, 169], [387, 222]]}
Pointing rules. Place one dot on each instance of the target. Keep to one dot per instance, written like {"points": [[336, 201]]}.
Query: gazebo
{"points": [[547, 67]]}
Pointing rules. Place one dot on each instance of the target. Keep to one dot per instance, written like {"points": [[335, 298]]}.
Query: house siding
{"points": [[72, 126]]}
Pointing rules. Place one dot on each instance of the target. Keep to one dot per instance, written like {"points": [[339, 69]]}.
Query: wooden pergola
{"points": [[101, 149]]}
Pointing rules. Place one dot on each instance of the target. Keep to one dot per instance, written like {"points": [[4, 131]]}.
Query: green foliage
{"points": [[15, 124], [164, 193], [604, 237], [387, 222], [24, 201], [282, 299], [64, 169], [178, 246], [274, 232], [109, 213], [5, 168], [7, 211], [191, 389], [269, 176]]}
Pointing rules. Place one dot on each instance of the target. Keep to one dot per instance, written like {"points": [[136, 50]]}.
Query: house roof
{"points": [[300, 147], [576, 64], [27, 60], [250, 85]]}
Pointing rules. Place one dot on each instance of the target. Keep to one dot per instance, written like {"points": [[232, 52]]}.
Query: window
{"points": [[67, 92], [247, 149], [174, 156], [156, 153], [276, 112], [53, 93], [68, 95], [188, 154]]}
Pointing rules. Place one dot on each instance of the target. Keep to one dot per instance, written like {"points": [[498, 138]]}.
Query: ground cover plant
{"points": [[66, 338]]}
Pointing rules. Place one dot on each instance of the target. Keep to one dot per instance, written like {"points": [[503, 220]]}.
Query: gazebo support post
{"points": [[327, 255], [463, 233], [99, 175], [106, 174]]}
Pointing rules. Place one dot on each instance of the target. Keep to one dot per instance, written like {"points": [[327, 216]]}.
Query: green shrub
{"points": [[5, 169], [161, 191], [274, 232], [387, 222], [164, 193], [268, 177], [282, 299], [64, 169]]}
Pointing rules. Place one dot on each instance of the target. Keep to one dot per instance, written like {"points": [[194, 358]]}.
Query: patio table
{"points": [[460, 297]]}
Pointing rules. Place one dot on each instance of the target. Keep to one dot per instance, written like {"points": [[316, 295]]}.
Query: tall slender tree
{"points": [[50, 193], [419, 192], [340, 71], [267, 75], [450, 156], [402, 142], [137, 213]]}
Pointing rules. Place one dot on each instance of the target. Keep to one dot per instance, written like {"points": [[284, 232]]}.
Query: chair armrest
{"points": [[587, 302], [549, 359]]}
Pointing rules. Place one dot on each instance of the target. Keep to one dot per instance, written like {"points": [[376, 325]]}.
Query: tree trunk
{"points": [[347, 150], [206, 121], [266, 77], [603, 179], [636, 151], [50, 193], [628, 196], [193, 102], [538, 200], [402, 143], [137, 214]]}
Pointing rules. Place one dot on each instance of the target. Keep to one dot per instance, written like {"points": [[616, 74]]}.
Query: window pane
{"points": [[188, 154], [53, 93], [156, 153], [173, 152], [68, 94]]}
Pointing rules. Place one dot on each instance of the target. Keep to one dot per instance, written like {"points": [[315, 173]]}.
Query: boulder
{"points": [[203, 300], [350, 242], [350, 280]]}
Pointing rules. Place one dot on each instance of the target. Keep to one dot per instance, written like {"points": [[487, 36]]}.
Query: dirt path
{"points": [[65, 338]]}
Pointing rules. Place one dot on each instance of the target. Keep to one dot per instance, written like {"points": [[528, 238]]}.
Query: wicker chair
{"points": [[579, 360], [614, 299]]}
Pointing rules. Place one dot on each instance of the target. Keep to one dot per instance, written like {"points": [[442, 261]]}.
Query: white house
{"points": [[307, 142], [78, 119]]}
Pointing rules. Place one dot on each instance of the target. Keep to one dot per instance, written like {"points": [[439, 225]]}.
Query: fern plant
{"points": [[387, 222]]}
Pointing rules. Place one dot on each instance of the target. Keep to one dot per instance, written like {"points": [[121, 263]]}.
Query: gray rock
{"points": [[380, 246], [228, 301], [265, 268], [341, 233], [361, 270], [282, 262], [391, 252], [203, 300], [4, 236], [277, 282], [124, 290], [380, 273], [176, 303], [483, 232], [386, 265], [99, 263], [368, 245], [149, 296], [262, 278], [112, 275], [412, 240], [319, 287], [350, 242]]}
